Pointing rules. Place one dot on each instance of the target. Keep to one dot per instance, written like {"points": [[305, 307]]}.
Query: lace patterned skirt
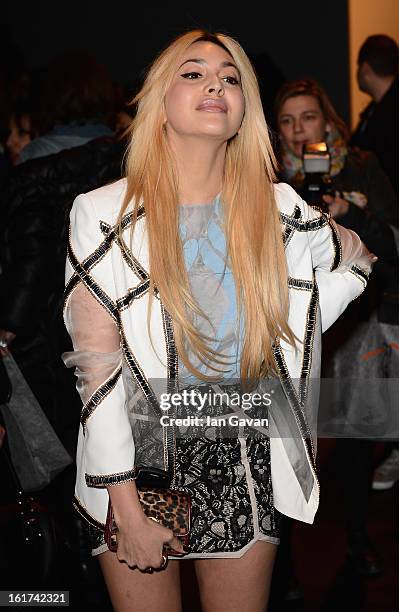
{"points": [[229, 481]]}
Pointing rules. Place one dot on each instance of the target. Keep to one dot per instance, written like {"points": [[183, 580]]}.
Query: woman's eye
{"points": [[285, 121], [191, 75], [231, 80], [310, 117]]}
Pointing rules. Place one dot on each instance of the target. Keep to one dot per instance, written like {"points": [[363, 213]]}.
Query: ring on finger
{"points": [[3, 343], [164, 562]]}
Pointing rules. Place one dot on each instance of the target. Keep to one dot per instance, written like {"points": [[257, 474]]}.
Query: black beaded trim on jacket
{"points": [[305, 226], [293, 399], [336, 247], [138, 372], [131, 261], [289, 231], [125, 301], [300, 283], [311, 318], [98, 396], [169, 433], [73, 282], [75, 279], [359, 272], [100, 481], [93, 287], [127, 219], [172, 357], [126, 253], [76, 503], [105, 227], [129, 258], [111, 235], [95, 257]]}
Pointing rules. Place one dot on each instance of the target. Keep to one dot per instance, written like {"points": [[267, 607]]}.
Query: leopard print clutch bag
{"points": [[169, 507]]}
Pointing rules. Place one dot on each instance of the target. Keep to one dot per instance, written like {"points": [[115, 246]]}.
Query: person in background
{"points": [[36, 201], [21, 131], [308, 114], [123, 120], [378, 128], [363, 200], [378, 131], [76, 105], [33, 238], [18, 120]]}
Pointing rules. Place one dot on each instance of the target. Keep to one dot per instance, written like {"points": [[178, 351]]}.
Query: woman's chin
{"points": [[212, 134], [297, 151]]}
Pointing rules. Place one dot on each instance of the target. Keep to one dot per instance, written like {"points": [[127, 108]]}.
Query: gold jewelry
{"points": [[164, 562]]}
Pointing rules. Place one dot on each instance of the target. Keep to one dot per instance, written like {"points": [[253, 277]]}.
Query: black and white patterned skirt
{"points": [[229, 481]]}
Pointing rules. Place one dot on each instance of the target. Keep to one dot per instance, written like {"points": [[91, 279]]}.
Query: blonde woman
{"points": [[198, 267]]}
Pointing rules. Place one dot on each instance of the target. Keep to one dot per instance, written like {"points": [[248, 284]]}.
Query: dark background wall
{"points": [[285, 39]]}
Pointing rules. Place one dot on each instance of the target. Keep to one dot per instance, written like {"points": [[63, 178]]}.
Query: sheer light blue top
{"points": [[213, 287]]}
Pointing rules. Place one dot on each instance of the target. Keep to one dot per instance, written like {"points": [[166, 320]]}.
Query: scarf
{"points": [[293, 166]]}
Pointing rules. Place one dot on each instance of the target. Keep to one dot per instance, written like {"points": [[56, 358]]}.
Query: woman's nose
{"points": [[216, 88], [298, 125]]}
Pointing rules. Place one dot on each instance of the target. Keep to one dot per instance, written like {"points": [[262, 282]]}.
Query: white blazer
{"points": [[328, 267]]}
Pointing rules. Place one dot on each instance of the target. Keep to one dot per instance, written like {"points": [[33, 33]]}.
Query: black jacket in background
{"points": [[34, 221], [362, 172], [378, 131]]}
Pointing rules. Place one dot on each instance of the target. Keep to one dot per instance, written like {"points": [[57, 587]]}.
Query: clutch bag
{"points": [[169, 507]]}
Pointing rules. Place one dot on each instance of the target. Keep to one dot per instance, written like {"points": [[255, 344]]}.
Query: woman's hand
{"points": [[337, 206], [6, 337], [140, 539]]}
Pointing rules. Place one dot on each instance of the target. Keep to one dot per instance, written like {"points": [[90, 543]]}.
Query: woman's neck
{"points": [[200, 167]]}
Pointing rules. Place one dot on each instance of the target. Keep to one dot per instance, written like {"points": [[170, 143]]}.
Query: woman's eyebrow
{"points": [[199, 60]]}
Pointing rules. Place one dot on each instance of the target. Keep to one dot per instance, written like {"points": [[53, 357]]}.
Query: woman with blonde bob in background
{"points": [[198, 267]]}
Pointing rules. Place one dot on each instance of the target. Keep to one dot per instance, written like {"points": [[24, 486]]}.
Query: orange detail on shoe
{"points": [[370, 354]]}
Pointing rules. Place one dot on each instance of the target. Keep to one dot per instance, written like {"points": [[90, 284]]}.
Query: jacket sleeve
{"points": [[341, 263], [108, 447], [26, 245], [381, 196], [376, 234]]}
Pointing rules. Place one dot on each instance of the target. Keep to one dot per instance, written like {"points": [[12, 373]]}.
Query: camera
{"points": [[316, 165]]}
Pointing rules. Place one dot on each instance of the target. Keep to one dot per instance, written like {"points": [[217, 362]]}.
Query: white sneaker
{"points": [[387, 473]]}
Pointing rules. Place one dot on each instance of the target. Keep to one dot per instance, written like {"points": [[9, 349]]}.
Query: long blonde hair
{"points": [[252, 223]]}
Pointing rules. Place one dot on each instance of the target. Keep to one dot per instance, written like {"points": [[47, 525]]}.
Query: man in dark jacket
{"points": [[378, 129], [34, 219]]}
